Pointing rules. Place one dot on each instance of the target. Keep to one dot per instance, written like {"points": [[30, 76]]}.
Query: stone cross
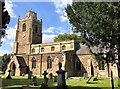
{"points": [[45, 78], [44, 84], [61, 78]]}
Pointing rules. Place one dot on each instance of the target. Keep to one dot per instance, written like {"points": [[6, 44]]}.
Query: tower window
{"points": [[36, 29], [42, 49], [63, 47], [24, 27], [49, 62], [33, 63], [52, 48], [33, 50]]}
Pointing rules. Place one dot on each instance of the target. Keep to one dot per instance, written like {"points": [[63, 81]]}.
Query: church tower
{"points": [[29, 31]]}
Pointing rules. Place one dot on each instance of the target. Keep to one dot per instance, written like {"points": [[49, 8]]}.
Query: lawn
{"points": [[18, 81]]}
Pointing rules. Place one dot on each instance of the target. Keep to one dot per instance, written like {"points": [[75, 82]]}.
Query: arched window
{"points": [[33, 63], [42, 49], [77, 65], [33, 50], [49, 62], [36, 29], [63, 47], [52, 48], [24, 27]]}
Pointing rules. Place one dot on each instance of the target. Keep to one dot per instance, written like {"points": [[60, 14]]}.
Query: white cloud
{"points": [[11, 32], [48, 38], [55, 30], [60, 9], [63, 18], [49, 30], [2, 52], [9, 7]]}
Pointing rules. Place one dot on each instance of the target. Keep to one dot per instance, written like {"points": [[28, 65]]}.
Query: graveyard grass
{"points": [[18, 81]]}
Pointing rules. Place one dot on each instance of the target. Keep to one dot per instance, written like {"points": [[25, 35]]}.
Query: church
{"points": [[30, 54]]}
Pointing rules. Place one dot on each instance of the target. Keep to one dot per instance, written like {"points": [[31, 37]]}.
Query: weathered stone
{"points": [[61, 78]]}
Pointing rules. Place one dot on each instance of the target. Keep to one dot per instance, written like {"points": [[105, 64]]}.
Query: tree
{"points": [[98, 24], [5, 20], [66, 37], [5, 61]]}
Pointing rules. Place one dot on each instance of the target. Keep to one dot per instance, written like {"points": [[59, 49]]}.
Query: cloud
{"points": [[9, 7], [48, 38], [49, 30], [2, 52], [55, 30], [60, 9], [11, 32]]}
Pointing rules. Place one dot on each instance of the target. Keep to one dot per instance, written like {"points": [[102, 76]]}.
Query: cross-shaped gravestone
{"points": [[9, 76], [45, 78], [44, 85], [61, 78]]}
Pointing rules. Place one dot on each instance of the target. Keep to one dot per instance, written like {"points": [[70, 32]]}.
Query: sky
{"points": [[51, 12]]}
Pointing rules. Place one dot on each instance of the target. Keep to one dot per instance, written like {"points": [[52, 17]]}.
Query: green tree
{"points": [[4, 21], [66, 37], [5, 61], [98, 24]]}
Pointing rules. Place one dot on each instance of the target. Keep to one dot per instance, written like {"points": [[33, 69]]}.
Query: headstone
{"points": [[9, 76], [34, 81], [50, 75], [55, 78], [66, 75], [44, 85], [85, 75], [29, 74], [61, 78], [0, 82]]}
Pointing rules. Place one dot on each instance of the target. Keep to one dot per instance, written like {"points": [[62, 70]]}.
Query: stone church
{"points": [[30, 54]]}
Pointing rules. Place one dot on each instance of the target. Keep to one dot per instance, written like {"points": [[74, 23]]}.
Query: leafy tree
{"points": [[99, 24], [5, 61], [5, 20], [66, 37]]}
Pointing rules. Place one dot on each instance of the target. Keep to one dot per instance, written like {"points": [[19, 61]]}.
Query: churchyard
{"points": [[80, 83]]}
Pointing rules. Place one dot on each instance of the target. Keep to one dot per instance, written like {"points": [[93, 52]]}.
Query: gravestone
{"points": [[50, 75], [9, 76], [44, 85], [85, 75], [0, 82], [55, 78], [29, 74], [61, 83], [34, 81]]}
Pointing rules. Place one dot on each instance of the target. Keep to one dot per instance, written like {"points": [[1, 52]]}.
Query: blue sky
{"points": [[52, 14]]}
